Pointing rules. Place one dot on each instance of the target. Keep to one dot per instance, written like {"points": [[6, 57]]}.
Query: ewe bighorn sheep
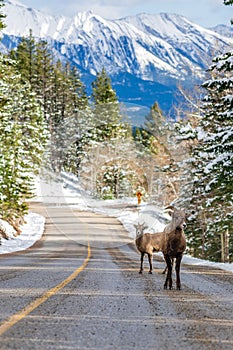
{"points": [[147, 243], [173, 244]]}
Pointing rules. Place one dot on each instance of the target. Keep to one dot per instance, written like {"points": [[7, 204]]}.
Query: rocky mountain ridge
{"points": [[148, 54]]}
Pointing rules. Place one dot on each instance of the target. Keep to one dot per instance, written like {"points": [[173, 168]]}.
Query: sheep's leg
{"points": [[169, 272], [150, 262], [178, 262], [142, 256], [165, 270]]}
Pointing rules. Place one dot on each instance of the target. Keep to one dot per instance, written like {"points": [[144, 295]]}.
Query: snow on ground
{"points": [[66, 191], [31, 232]]}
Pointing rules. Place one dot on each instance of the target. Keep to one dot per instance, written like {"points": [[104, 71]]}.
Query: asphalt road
{"points": [[79, 288]]}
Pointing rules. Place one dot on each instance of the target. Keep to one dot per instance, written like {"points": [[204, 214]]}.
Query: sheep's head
{"points": [[178, 218], [140, 228]]}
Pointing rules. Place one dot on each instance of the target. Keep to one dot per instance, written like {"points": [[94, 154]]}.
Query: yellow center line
{"points": [[35, 303]]}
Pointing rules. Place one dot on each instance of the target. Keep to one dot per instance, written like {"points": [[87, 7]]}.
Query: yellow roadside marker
{"points": [[34, 304]]}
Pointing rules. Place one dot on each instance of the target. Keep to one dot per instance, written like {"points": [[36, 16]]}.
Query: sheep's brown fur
{"points": [[173, 245], [147, 243]]}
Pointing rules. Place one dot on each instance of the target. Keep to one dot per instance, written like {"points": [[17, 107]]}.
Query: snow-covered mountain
{"points": [[223, 30], [145, 52]]}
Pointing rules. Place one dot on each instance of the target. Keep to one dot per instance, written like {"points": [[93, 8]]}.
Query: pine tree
{"points": [[155, 121], [159, 153], [78, 93], [106, 107], [144, 142], [211, 223], [24, 55], [22, 141], [70, 105], [2, 16], [208, 169], [216, 152], [35, 64], [188, 134], [217, 124], [43, 77], [228, 2], [109, 143], [61, 93]]}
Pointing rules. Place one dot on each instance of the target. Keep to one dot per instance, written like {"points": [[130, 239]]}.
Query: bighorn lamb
{"points": [[173, 244], [147, 243]]}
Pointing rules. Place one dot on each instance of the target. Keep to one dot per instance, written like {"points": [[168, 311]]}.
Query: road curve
{"points": [[79, 288]]}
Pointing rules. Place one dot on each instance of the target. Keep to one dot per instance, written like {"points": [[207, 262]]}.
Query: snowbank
{"points": [[31, 233], [6, 230]]}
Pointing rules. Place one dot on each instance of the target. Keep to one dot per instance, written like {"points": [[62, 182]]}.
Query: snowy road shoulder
{"points": [[32, 231]]}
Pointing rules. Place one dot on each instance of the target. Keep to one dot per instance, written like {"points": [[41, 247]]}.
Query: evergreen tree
{"points": [[155, 121], [144, 142], [217, 125], [102, 91], [153, 132], [2, 16], [24, 55], [228, 2], [43, 81], [77, 89], [217, 143], [109, 144], [61, 93], [106, 107], [71, 108], [35, 64], [22, 141], [208, 170], [210, 228], [158, 152], [192, 191]]}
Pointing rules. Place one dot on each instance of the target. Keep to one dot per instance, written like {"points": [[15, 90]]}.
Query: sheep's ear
{"points": [[144, 226]]}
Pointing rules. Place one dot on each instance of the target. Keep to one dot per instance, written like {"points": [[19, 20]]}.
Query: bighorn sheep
{"points": [[147, 243], [173, 244]]}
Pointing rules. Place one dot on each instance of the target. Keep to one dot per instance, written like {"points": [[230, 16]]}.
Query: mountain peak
{"points": [[81, 18], [152, 47], [14, 3]]}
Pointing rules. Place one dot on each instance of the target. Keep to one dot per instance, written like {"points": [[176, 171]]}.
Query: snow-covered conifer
{"points": [[213, 164], [2, 16], [22, 140]]}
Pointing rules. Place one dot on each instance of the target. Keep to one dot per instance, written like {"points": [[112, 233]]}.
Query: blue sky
{"points": [[207, 13]]}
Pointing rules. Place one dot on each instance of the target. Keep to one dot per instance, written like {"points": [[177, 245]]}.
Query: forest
{"points": [[47, 121]]}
